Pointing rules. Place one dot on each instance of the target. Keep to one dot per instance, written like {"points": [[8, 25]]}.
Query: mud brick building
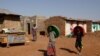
{"points": [[58, 21], [28, 22], [9, 20], [40, 24], [67, 25]]}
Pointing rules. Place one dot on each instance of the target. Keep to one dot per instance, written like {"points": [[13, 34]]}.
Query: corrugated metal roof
{"points": [[7, 12]]}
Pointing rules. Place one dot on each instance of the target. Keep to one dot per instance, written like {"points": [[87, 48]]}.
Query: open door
{"points": [[28, 25]]}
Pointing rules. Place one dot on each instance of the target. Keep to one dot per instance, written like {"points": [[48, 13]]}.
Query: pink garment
{"points": [[51, 49]]}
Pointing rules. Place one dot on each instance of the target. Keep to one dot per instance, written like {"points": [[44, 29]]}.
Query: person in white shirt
{"points": [[34, 32]]}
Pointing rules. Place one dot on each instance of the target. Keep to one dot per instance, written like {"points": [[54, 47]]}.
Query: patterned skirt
{"points": [[51, 49]]}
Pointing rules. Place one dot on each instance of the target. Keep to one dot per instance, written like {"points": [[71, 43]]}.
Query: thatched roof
{"points": [[7, 12]]}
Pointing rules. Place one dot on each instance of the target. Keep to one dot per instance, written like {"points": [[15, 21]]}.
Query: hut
{"points": [[66, 25], [10, 28], [72, 23], [28, 22], [9, 20], [58, 21]]}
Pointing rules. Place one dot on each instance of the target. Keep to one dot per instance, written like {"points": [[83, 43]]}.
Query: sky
{"points": [[78, 9]]}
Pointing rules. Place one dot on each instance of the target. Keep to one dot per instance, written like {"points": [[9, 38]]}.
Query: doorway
{"points": [[28, 25]]}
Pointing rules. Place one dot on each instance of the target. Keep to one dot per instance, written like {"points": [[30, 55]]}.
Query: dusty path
{"points": [[64, 47]]}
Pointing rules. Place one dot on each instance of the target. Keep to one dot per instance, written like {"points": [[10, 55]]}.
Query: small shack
{"points": [[10, 27], [9, 20]]}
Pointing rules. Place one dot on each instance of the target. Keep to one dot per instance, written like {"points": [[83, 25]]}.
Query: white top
{"points": [[51, 36]]}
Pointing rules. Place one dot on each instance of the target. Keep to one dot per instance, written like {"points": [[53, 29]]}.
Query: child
{"points": [[51, 46], [78, 43], [34, 32]]}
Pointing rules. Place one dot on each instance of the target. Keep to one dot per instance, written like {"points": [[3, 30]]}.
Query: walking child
{"points": [[78, 43], [51, 46]]}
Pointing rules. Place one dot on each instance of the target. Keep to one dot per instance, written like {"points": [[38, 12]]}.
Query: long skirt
{"points": [[51, 49], [34, 35]]}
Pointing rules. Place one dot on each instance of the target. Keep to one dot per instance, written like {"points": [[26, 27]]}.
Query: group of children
{"points": [[51, 50]]}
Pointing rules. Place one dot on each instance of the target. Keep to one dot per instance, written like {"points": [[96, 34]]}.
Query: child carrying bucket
{"points": [[53, 34]]}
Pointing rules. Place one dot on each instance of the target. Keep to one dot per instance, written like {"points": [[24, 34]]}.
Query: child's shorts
{"points": [[78, 44]]}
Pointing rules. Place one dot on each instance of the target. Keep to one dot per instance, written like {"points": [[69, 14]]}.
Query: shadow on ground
{"points": [[44, 52], [70, 51], [12, 45]]}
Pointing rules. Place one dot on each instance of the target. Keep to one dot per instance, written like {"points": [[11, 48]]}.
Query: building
{"points": [[95, 26], [71, 24], [58, 21], [28, 22], [9, 20], [66, 26], [40, 24]]}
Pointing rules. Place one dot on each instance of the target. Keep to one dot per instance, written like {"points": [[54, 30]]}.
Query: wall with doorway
{"points": [[95, 26], [71, 24]]}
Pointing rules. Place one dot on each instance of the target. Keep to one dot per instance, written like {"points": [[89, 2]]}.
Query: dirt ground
{"points": [[64, 47]]}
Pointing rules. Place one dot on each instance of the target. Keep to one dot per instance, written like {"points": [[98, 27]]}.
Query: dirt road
{"points": [[64, 47]]}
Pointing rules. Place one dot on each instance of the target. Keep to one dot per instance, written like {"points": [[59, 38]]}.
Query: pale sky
{"points": [[84, 9]]}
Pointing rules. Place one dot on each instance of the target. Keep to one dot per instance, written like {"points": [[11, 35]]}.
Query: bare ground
{"points": [[64, 47]]}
